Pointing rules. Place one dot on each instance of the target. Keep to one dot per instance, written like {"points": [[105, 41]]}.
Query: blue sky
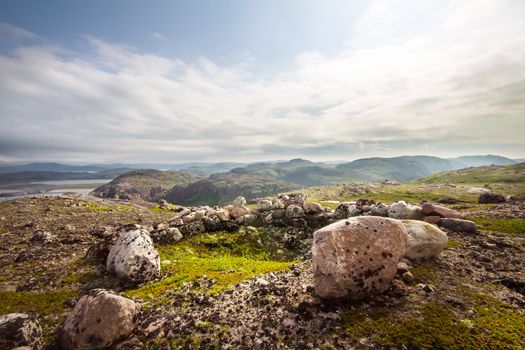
{"points": [[172, 81]]}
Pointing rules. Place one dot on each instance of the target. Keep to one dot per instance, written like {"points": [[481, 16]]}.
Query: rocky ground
{"points": [[213, 294]]}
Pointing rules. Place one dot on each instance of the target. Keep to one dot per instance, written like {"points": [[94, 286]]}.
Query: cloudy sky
{"points": [[175, 81]]}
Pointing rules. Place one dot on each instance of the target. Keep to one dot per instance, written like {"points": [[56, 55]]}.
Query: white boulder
{"points": [[133, 257], [425, 240], [403, 210]]}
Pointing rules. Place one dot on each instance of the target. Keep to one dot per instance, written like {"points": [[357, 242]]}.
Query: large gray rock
{"points": [[403, 210], [20, 330], [460, 226], [133, 257], [356, 257], [346, 210], [99, 320], [425, 241]]}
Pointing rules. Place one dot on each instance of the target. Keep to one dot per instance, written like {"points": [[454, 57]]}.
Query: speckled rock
{"points": [[169, 235], [20, 330], [223, 214], [99, 320], [133, 257], [356, 257], [425, 241], [379, 209], [294, 211], [403, 210], [346, 210], [192, 228]]}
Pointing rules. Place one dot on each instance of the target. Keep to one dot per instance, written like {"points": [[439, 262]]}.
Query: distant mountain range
{"points": [[267, 178], [217, 183]]}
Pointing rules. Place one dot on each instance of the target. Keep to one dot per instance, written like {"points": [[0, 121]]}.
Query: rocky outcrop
{"points": [[144, 184], [357, 257], [99, 320], [402, 210], [133, 257], [425, 241], [18, 330]]}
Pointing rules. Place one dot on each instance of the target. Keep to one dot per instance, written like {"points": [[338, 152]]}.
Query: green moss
{"points": [[227, 258], [454, 244], [425, 273], [492, 325], [512, 226], [42, 303], [99, 208]]}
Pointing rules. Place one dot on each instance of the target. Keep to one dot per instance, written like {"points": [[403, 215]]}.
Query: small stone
{"points": [[459, 225], [402, 267], [408, 277]]}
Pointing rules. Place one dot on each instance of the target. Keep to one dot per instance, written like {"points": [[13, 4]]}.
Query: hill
{"points": [[223, 188], [511, 174], [144, 184]]}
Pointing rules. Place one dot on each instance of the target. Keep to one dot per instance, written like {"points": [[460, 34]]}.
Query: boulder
{"points": [[346, 210], [430, 209], [278, 204], [460, 226], [212, 223], [133, 257], [313, 208], [223, 214], [20, 330], [490, 197], [170, 235], [239, 202], [379, 209], [99, 320], [403, 210], [264, 205], [163, 204], [250, 220], [425, 241], [356, 257], [294, 211], [192, 228], [237, 212]]}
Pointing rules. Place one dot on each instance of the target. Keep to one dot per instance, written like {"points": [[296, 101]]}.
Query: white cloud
{"points": [[455, 86]]}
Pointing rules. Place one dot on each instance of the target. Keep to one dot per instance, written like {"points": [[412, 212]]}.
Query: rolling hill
{"points": [[144, 184]]}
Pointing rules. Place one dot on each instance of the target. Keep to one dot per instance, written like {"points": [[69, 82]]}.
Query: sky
{"points": [[233, 80]]}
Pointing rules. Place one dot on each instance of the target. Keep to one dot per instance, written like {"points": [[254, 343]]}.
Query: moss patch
{"points": [[227, 258], [42, 303], [511, 226], [491, 325]]}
